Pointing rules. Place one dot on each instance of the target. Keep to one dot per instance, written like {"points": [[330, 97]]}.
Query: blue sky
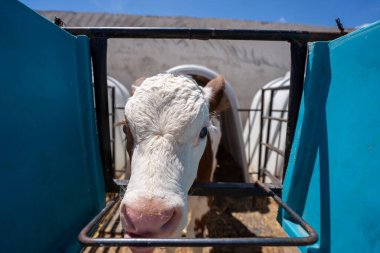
{"points": [[353, 13]]}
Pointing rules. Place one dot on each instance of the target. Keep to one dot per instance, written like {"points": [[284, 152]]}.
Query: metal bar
{"points": [[279, 110], [278, 88], [275, 180], [200, 34], [106, 221], [261, 132], [249, 136], [99, 63], [269, 124], [273, 148], [275, 118], [279, 145], [230, 189], [312, 237], [248, 110], [250, 157], [280, 170], [221, 189], [113, 130], [298, 51]]}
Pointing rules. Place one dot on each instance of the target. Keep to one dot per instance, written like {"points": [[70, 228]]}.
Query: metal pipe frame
{"points": [[86, 239], [269, 124], [259, 168], [248, 110], [98, 43], [98, 47], [113, 140], [298, 52], [277, 88], [200, 34], [222, 189], [275, 118], [273, 148]]}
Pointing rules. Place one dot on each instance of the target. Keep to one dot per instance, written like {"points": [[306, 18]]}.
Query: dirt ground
{"points": [[228, 217]]}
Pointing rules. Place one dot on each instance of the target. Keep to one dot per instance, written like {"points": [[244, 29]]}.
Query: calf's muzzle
{"points": [[149, 218]]}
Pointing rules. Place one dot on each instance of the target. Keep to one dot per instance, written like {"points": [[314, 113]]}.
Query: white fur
{"points": [[198, 205], [165, 115]]}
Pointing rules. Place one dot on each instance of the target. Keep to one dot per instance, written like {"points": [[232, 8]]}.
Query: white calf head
{"points": [[167, 123]]}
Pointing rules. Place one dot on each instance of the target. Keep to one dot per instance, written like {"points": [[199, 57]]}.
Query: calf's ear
{"points": [[129, 137], [137, 83], [215, 94]]}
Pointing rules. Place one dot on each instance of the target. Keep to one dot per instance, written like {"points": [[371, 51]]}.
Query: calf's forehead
{"points": [[167, 104]]}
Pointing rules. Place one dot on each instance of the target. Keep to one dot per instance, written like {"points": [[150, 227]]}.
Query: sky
{"points": [[352, 13]]}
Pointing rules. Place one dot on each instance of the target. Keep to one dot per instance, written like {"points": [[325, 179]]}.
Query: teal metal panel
{"points": [[334, 167], [50, 170]]}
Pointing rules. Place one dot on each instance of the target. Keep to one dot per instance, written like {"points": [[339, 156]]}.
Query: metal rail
{"points": [[86, 239], [277, 88], [223, 189], [273, 148], [262, 162], [98, 50], [200, 34], [298, 53], [248, 110], [275, 118]]}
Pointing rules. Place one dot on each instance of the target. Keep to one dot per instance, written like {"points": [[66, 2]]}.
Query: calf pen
{"points": [[298, 46]]}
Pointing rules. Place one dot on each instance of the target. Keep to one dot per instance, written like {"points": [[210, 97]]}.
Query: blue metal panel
{"points": [[50, 171], [334, 167]]}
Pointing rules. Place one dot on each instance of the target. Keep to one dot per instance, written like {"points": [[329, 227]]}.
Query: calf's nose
{"points": [[148, 221]]}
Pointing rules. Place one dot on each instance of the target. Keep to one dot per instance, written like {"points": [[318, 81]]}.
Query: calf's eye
{"points": [[203, 133]]}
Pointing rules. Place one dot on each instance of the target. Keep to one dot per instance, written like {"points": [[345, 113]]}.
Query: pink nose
{"points": [[147, 221]]}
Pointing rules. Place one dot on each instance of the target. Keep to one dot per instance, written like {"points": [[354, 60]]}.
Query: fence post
{"points": [[298, 52], [99, 63]]}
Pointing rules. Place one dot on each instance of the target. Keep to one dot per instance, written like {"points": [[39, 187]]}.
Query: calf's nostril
{"points": [[126, 221], [166, 217]]}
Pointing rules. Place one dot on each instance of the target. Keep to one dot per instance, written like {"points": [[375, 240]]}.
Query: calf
{"points": [[170, 132]]}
